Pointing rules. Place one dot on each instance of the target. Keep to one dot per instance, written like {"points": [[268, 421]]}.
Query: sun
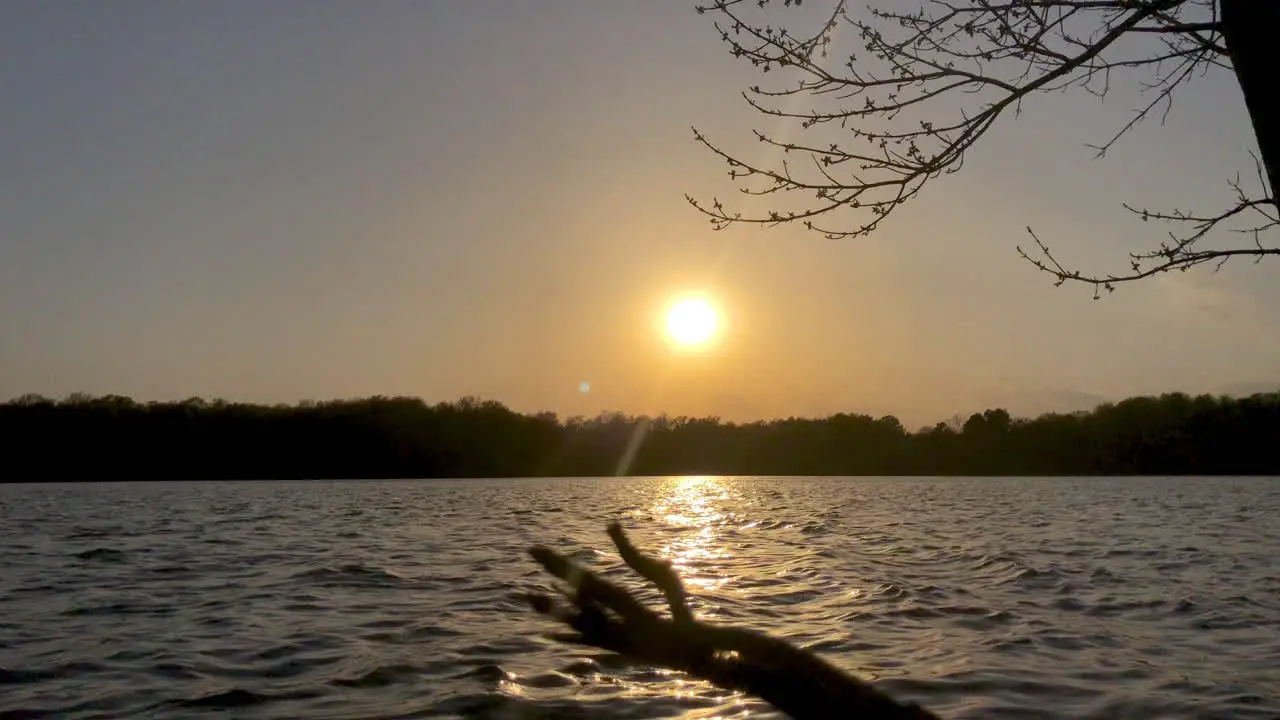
{"points": [[692, 322]]}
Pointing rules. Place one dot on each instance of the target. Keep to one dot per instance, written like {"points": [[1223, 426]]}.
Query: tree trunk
{"points": [[1251, 29]]}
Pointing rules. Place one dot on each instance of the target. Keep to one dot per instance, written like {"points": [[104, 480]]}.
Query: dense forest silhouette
{"points": [[111, 438]]}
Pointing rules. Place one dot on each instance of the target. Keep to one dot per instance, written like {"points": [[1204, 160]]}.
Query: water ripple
{"points": [[1063, 598]]}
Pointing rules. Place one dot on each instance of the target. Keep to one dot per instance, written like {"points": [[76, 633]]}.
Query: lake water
{"points": [[1006, 598]]}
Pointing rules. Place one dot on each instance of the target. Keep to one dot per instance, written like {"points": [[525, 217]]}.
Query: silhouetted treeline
{"points": [[115, 438]]}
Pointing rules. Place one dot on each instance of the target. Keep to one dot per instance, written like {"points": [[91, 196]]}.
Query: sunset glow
{"points": [[362, 221]]}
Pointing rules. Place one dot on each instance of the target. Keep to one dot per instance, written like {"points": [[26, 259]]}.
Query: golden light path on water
{"points": [[692, 514], [697, 507], [737, 552]]}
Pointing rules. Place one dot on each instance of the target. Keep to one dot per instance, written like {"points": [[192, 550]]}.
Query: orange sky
{"points": [[298, 200]]}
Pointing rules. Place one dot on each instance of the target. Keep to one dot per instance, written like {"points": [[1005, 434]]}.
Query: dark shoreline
{"points": [[84, 439]]}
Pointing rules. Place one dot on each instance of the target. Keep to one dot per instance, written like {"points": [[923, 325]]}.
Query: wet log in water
{"points": [[601, 614]]}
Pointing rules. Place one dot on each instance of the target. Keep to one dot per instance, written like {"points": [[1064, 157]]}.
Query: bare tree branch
{"points": [[797, 682], [875, 125], [1180, 251]]}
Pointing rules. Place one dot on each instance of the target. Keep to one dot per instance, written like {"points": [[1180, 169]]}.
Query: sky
{"points": [[315, 199]]}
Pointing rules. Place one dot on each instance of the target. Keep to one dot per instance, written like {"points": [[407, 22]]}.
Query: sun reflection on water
{"points": [[696, 508]]}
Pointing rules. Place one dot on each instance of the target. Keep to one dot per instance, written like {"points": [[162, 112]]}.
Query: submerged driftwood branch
{"points": [[795, 681]]}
